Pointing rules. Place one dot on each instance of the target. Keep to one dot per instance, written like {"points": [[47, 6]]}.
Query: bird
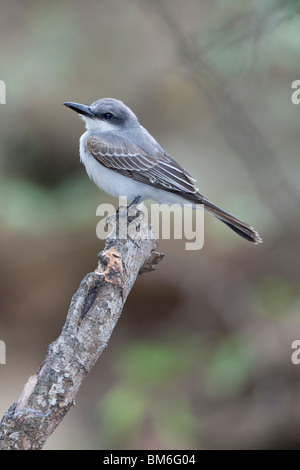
{"points": [[124, 159]]}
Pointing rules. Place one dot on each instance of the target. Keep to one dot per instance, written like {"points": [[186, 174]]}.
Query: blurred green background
{"points": [[201, 357]]}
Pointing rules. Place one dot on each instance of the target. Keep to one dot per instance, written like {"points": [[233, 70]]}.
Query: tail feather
{"points": [[237, 225]]}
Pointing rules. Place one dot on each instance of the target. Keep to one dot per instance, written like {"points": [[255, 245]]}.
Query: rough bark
{"points": [[94, 311]]}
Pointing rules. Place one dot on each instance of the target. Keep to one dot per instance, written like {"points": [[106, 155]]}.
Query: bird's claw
{"points": [[124, 217]]}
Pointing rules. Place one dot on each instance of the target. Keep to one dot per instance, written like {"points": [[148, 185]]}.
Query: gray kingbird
{"points": [[123, 159]]}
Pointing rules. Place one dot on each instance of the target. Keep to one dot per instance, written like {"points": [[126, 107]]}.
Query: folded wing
{"points": [[158, 170]]}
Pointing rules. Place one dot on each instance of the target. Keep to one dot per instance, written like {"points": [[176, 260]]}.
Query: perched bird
{"points": [[123, 159]]}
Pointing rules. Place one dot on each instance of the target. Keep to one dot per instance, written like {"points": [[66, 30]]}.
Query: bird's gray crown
{"points": [[115, 110]]}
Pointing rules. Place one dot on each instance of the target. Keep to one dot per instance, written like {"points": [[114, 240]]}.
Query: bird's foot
{"points": [[132, 211], [126, 215]]}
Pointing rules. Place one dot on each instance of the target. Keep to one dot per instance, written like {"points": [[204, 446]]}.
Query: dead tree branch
{"points": [[94, 311]]}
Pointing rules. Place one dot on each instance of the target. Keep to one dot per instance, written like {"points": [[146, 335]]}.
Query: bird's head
{"points": [[106, 114]]}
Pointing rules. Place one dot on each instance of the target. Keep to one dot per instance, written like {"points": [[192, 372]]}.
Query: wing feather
{"points": [[158, 170]]}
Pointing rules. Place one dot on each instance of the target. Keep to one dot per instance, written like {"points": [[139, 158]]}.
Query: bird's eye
{"points": [[108, 116]]}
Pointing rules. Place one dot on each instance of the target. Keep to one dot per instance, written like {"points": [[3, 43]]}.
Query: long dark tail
{"points": [[237, 225]]}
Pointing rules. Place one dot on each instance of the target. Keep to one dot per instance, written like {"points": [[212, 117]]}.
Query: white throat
{"points": [[97, 124]]}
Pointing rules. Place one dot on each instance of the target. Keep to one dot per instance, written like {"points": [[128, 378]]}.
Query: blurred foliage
{"points": [[150, 375], [121, 413], [151, 379], [176, 424], [230, 366], [148, 363], [275, 296], [36, 209]]}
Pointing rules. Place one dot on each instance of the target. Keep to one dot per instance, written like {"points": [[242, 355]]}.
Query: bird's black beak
{"points": [[80, 109]]}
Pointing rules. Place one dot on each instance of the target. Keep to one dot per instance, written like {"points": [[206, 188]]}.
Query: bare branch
{"points": [[94, 311]]}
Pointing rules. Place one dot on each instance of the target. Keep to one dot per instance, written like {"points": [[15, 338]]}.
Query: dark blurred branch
{"points": [[252, 21], [237, 126], [94, 311]]}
